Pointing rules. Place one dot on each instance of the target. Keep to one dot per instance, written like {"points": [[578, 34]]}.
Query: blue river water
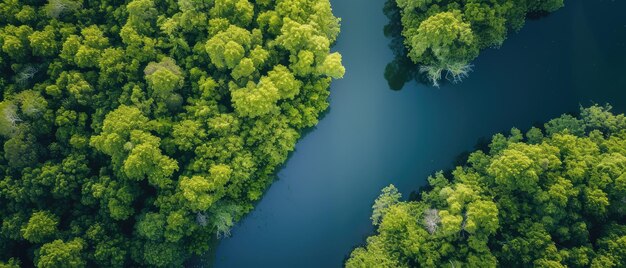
{"points": [[318, 209]]}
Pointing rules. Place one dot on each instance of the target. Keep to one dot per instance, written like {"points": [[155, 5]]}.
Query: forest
{"points": [[134, 132], [444, 36], [552, 197], [140, 133]]}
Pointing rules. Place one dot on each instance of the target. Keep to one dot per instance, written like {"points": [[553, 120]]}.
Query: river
{"points": [[319, 207]]}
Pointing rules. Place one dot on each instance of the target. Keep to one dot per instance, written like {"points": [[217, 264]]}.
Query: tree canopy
{"points": [[554, 197], [133, 132], [444, 36]]}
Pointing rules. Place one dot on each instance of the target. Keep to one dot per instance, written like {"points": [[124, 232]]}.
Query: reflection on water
{"points": [[320, 207], [401, 69]]}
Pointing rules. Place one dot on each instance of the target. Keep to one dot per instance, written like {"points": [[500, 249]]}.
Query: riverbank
{"points": [[319, 208]]}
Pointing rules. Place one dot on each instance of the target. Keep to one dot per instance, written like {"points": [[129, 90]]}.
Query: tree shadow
{"points": [[482, 144], [401, 69]]}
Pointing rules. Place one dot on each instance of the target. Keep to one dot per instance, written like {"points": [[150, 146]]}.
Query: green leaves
{"points": [[145, 160], [228, 47], [31, 103], [41, 226], [386, 199], [164, 79], [136, 131], [196, 191], [15, 41], [332, 66], [44, 42], [140, 14], [151, 226], [444, 37], [116, 131], [61, 254], [256, 100], [482, 218], [75, 85], [9, 118], [297, 36], [238, 12], [56, 8], [513, 169], [188, 134], [288, 86], [134, 151], [85, 50], [551, 200], [545, 5]]}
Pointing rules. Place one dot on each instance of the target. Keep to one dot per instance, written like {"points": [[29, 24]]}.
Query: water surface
{"points": [[319, 207]]}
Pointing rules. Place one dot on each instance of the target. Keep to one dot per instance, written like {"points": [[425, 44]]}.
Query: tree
{"points": [[256, 100], [548, 200], [449, 41], [238, 12], [482, 216], [387, 198], [188, 135], [41, 225], [332, 66], [15, 41], [227, 48], [444, 37], [61, 254], [133, 132], [374, 256], [151, 226], [146, 160], [9, 118], [196, 191], [545, 5], [43, 42], [76, 86], [56, 8], [31, 103], [116, 130], [12, 263], [21, 150], [93, 43], [140, 14], [163, 78]]}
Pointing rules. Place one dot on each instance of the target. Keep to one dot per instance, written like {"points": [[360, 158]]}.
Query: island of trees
{"points": [[444, 36], [134, 132], [554, 197]]}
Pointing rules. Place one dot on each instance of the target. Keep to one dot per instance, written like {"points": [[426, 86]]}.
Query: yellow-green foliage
{"points": [[133, 132], [556, 200], [444, 36]]}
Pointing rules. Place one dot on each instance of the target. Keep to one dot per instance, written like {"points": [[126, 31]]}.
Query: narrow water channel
{"points": [[319, 208]]}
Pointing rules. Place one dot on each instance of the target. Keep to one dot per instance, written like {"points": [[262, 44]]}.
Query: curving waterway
{"points": [[319, 207]]}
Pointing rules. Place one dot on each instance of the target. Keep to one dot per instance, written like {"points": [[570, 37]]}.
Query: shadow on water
{"points": [[401, 70], [207, 259], [482, 144], [320, 208]]}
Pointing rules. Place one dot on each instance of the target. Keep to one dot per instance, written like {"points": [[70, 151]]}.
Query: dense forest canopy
{"points": [[550, 198], [444, 36], [133, 132]]}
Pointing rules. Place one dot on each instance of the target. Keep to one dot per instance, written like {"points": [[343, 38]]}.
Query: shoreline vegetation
{"points": [[443, 37], [137, 133], [553, 197], [134, 133]]}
